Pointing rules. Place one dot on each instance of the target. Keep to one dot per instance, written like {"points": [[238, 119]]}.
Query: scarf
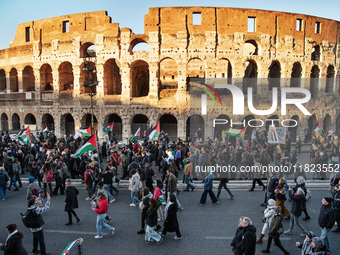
{"points": [[14, 232], [166, 209]]}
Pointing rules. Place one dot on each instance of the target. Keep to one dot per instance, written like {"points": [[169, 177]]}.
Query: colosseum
{"points": [[43, 71]]}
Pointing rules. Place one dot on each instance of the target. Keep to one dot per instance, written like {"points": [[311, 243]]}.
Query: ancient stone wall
{"points": [[41, 73]]}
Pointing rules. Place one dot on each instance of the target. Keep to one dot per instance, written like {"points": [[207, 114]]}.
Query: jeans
{"points": [[134, 198], [111, 188], [12, 181], [219, 189], [3, 192], [324, 236], [38, 237], [151, 234], [17, 179], [101, 223], [293, 219], [89, 189], [187, 181]]}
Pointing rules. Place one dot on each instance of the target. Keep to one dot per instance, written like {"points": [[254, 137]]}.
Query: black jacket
{"points": [[171, 222], [297, 203], [71, 198], [327, 216], [248, 245], [107, 176], [13, 246], [3, 179], [151, 218]]}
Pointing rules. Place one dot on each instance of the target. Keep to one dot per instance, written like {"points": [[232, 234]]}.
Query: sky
{"points": [[130, 13]]}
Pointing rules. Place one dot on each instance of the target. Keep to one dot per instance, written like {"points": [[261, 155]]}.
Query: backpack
{"points": [[273, 222], [91, 176], [31, 220], [308, 194], [49, 175]]}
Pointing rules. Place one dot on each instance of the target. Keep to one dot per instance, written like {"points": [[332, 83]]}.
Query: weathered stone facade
{"points": [[41, 77]]}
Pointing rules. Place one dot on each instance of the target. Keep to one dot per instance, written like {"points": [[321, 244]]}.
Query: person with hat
{"points": [[306, 246], [3, 183], [268, 216], [337, 207], [326, 219], [32, 184], [319, 247]]}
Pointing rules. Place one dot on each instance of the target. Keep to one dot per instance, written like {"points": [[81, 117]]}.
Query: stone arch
{"points": [[249, 129], [195, 126], [274, 75], [112, 77], [327, 123], [221, 127], [88, 50], [250, 76], [86, 121], [117, 126], [168, 123], [28, 79], [30, 119], [195, 69], [66, 78], [15, 122], [168, 77], [224, 69], [295, 80], [67, 125], [330, 79], [14, 82], [138, 41], [4, 122], [46, 77], [311, 124], [316, 53], [250, 47], [3, 85], [47, 119], [276, 122], [139, 78], [293, 130], [314, 81], [139, 121], [88, 74]]}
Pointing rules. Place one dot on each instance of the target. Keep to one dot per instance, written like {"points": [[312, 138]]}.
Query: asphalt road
{"points": [[205, 229]]}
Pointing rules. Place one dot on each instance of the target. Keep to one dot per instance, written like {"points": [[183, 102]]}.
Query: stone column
{"points": [[126, 128], [20, 81], [125, 76], [57, 124], [181, 127], [153, 81], [100, 79], [76, 83], [8, 82]]}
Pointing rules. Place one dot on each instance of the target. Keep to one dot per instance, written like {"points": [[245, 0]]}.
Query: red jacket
{"points": [[136, 147], [103, 205]]}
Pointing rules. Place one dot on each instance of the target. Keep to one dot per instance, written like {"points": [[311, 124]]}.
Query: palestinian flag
{"points": [[90, 145], [243, 131], [46, 130], [155, 132], [318, 128], [109, 127], [85, 131], [272, 135], [148, 132], [26, 135], [17, 136], [136, 136], [236, 132], [70, 246], [49, 153]]}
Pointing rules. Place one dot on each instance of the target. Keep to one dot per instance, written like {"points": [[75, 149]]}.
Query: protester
{"points": [[326, 219], [208, 186], [13, 245], [71, 202], [306, 247], [101, 210], [248, 244], [170, 216], [151, 222]]}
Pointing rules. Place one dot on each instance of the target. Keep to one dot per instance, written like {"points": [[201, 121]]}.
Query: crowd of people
{"points": [[49, 160]]}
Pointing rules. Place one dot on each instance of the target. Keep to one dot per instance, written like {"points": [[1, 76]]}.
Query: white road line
{"points": [[231, 238], [69, 232]]}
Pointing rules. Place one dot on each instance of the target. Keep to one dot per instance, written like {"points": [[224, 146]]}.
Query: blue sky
{"points": [[131, 13]]}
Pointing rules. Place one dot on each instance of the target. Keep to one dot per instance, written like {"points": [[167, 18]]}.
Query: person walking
{"points": [[223, 184], [337, 208], [248, 243], [280, 193], [170, 216], [13, 245], [208, 186], [306, 246], [144, 209], [296, 211], [269, 214], [3, 183], [71, 202], [326, 219], [134, 186], [151, 222], [101, 211], [187, 175], [276, 230], [38, 208], [237, 240], [172, 187]]}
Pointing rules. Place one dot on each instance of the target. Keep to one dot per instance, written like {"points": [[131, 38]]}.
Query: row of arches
{"points": [[168, 76], [195, 124]]}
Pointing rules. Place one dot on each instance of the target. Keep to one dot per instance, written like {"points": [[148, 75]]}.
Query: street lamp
{"points": [[90, 68]]}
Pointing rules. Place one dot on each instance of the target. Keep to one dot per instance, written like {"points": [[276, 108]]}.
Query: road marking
{"points": [[69, 232], [231, 238]]}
